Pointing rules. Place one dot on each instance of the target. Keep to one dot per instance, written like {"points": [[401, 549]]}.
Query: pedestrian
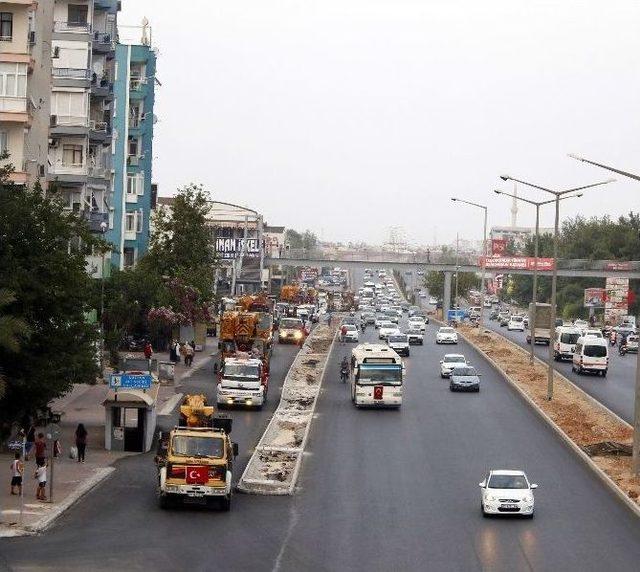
{"points": [[17, 470], [178, 351], [192, 343], [31, 438], [41, 449], [182, 350], [41, 476], [148, 350], [189, 352], [81, 441], [343, 332]]}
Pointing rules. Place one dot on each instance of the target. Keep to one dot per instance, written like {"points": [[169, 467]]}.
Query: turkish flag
{"points": [[197, 475], [377, 392]]}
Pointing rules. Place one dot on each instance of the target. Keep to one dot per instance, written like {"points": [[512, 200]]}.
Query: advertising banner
{"points": [[515, 263], [617, 266], [498, 246], [594, 297], [231, 247], [616, 299], [309, 274]]}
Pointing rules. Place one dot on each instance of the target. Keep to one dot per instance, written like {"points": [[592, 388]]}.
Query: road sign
{"points": [[130, 381], [457, 315]]}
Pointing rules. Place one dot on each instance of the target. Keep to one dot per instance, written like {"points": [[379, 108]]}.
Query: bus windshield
{"points": [[380, 374]]}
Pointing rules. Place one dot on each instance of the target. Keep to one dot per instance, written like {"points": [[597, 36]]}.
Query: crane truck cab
{"points": [[243, 380], [195, 459]]}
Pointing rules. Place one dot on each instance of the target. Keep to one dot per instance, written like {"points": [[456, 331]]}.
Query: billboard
{"points": [[498, 246], [594, 297], [515, 263], [616, 302], [231, 247], [309, 274]]}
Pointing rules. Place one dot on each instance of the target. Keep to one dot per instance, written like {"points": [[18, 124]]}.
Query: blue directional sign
{"points": [[458, 315], [130, 381]]}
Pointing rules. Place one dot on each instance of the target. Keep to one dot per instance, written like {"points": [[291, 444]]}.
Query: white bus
{"points": [[377, 376]]}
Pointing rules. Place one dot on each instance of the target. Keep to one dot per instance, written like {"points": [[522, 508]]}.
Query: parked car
{"points": [[507, 492], [446, 335], [464, 378], [449, 362]]}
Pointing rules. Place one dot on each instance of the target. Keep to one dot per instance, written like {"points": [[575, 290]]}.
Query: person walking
{"points": [[41, 476], [148, 350], [189, 352], [343, 333], [173, 356], [17, 470], [30, 441], [178, 351], [81, 441], [41, 449]]}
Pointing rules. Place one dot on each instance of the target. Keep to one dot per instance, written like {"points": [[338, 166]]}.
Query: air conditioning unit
{"points": [[53, 121]]}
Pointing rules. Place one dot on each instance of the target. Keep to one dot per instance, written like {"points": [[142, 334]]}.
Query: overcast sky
{"points": [[350, 116]]}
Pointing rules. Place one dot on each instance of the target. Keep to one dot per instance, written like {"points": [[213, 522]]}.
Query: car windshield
{"points": [[377, 374], [414, 332], [464, 372], [350, 328], [241, 370], [516, 319], [508, 482], [290, 323], [192, 446], [595, 351], [454, 359], [446, 330], [569, 338], [398, 338]]}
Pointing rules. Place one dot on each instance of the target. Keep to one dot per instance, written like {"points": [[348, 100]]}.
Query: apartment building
{"points": [[134, 120], [80, 134], [25, 71]]}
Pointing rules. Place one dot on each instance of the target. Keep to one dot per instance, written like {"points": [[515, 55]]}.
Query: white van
{"points": [[591, 354], [565, 342]]}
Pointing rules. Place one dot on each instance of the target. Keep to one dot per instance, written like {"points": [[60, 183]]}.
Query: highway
{"points": [[616, 391], [379, 490]]}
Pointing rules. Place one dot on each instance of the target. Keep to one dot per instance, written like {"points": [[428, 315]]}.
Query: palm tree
{"points": [[12, 331]]}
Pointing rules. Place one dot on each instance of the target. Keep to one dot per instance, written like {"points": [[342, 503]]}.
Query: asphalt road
{"points": [[616, 391], [379, 490]]}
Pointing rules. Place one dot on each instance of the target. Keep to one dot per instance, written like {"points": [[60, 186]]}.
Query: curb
{"points": [[575, 448], [170, 404], [47, 520], [268, 487]]}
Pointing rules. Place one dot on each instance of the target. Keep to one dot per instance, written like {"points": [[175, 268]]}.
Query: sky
{"points": [[348, 117]]}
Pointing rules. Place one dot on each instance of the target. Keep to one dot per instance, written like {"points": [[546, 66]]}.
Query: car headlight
{"points": [[528, 499], [491, 498], [297, 335]]}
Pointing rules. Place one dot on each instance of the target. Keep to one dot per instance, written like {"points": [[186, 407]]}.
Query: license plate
{"points": [[509, 506]]}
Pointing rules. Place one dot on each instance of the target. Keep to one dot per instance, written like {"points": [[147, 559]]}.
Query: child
{"points": [[41, 476], [17, 468]]}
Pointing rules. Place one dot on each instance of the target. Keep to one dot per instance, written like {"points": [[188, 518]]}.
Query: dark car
{"points": [[504, 320], [494, 315], [464, 379]]}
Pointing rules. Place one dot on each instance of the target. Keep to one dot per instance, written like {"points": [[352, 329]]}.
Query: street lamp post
{"points": [[484, 254], [534, 296], [635, 460], [103, 228], [554, 277]]}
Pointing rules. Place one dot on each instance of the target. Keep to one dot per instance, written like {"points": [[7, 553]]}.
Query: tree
{"points": [[43, 251], [13, 331], [307, 239]]}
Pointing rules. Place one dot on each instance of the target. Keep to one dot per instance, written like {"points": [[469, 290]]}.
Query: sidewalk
{"points": [[83, 404]]}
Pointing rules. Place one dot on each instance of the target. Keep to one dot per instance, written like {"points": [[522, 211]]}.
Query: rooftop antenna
{"points": [[514, 206]]}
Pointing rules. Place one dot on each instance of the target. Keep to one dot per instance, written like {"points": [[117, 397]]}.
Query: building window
{"points": [[6, 26], [72, 155], [139, 220], [77, 14], [13, 79], [133, 147], [129, 257], [132, 184], [130, 222], [4, 141]]}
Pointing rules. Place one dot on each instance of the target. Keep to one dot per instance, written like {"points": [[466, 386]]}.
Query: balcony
{"points": [[72, 27], [137, 87], [101, 87], [103, 42], [14, 109], [95, 220], [72, 73], [99, 130]]}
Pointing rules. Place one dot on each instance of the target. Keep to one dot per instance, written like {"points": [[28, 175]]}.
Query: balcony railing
{"points": [[95, 220], [137, 83], [73, 73], [68, 169], [72, 27], [102, 37], [69, 121], [13, 104], [101, 126]]}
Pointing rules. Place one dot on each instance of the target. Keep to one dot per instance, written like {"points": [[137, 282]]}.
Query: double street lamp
{"points": [[558, 195], [484, 254], [534, 296]]}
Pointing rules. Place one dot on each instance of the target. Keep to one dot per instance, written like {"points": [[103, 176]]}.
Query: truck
{"points": [[244, 380], [542, 327], [195, 459]]}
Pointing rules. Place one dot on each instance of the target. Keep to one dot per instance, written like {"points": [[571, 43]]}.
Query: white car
{"points": [[516, 323], [387, 329], [593, 333], [582, 325], [352, 334], [507, 492], [399, 343], [446, 335], [380, 319], [416, 323], [433, 300], [449, 362]]}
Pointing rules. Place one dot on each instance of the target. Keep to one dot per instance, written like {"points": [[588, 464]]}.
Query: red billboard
{"points": [[498, 246], [515, 263], [617, 266]]}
